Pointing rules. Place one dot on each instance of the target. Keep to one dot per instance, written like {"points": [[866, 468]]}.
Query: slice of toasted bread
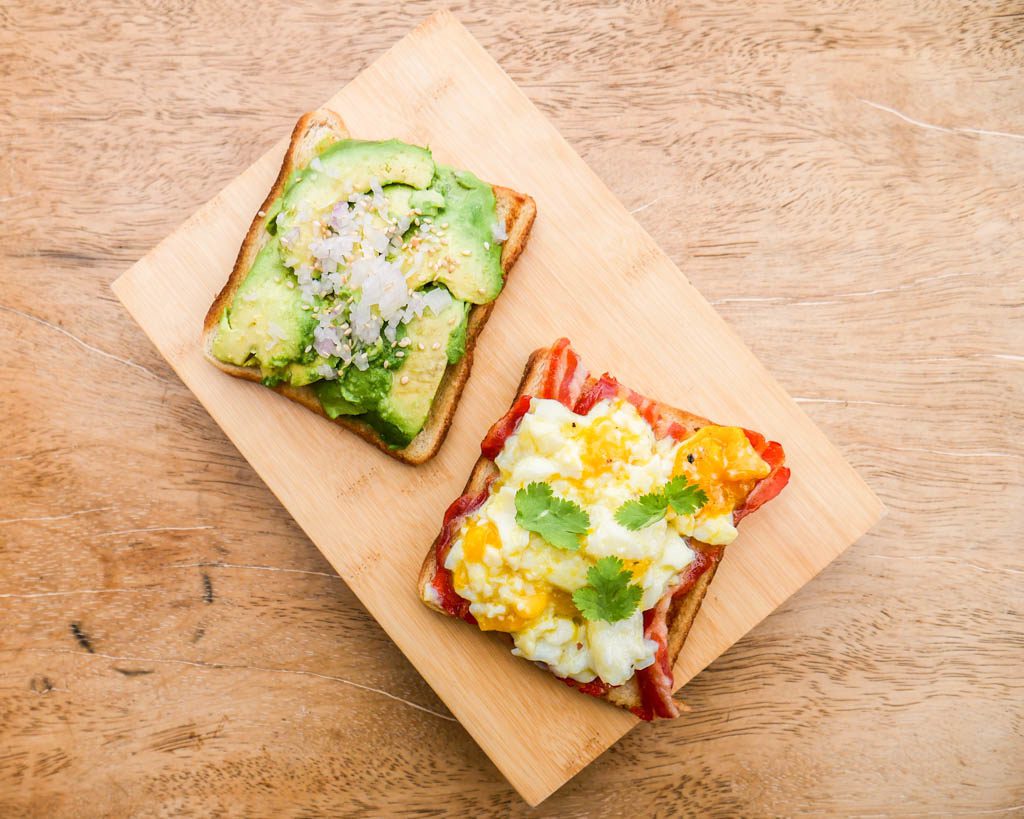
{"points": [[683, 608], [313, 132]]}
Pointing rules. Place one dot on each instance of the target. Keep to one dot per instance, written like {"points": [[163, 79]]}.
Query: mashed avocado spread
{"points": [[374, 256]]}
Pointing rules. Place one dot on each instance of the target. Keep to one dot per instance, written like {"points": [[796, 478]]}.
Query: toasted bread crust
{"points": [[683, 610], [516, 209]]}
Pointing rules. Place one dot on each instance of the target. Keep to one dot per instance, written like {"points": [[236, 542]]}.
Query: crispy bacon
{"points": [[769, 486], [561, 381], [597, 390], [563, 374], [449, 599], [594, 391], [595, 688], [655, 681], [496, 436]]}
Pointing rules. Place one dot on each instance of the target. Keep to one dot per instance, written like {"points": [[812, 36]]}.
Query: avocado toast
{"points": [[363, 283]]}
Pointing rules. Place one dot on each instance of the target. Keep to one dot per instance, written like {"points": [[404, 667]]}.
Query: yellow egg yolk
{"points": [[723, 463], [638, 568], [605, 448], [474, 546]]}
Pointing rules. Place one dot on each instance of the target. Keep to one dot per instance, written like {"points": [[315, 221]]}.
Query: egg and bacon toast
{"points": [[591, 527]]}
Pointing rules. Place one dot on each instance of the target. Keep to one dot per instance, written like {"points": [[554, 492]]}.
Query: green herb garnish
{"points": [[609, 594], [560, 522], [684, 498]]}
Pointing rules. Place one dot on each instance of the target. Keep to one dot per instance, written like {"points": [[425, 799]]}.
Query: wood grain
{"points": [[874, 261]]}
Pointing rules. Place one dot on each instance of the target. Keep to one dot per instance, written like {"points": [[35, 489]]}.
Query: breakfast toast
{"points": [[557, 373], [313, 134]]}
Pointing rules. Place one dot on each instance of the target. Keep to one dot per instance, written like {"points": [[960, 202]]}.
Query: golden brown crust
{"points": [[682, 611], [518, 211]]}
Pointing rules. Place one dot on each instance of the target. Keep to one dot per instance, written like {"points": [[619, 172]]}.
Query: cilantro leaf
{"points": [[685, 498], [559, 521], [609, 596], [645, 510]]}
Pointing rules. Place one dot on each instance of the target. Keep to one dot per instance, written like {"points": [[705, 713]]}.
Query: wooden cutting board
{"points": [[591, 273]]}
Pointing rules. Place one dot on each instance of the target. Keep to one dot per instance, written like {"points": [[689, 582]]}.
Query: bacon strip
{"points": [[496, 436], [449, 599], [595, 688], [597, 390], [655, 681], [562, 380], [769, 486]]}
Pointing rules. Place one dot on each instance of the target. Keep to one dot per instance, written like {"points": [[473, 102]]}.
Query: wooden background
{"points": [[850, 199]]}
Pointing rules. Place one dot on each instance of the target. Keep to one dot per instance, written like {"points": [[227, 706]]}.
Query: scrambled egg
{"points": [[518, 583]]}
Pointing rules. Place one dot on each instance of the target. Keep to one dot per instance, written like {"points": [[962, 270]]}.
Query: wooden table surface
{"points": [[848, 193]]}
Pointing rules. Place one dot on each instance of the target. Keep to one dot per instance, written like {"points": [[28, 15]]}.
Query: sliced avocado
{"points": [[427, 202], [352, 166], [333, 402], [265, 321], [456, 348], [470, 263], [298, 373], [404, 410], [357, 391]]}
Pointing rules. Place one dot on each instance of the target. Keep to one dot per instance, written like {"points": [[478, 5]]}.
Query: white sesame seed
{"points": [[403, 380], [420, 345], [387, 365], [405, 342], [436, 345], [487, 245], [399, 354], [444, 226], [466, 252], [261, 213]]}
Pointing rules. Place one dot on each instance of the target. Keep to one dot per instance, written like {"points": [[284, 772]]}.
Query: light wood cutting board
{"points": [[591, 273]]}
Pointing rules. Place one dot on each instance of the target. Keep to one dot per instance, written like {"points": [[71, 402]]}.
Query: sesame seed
{"points": [[436, 345], [466, 252], [399, 354], [444, 226], [403, 380], [261, 213], [387, 365], [420, 345], [405, 342], [480, 290], [487, 245]]}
